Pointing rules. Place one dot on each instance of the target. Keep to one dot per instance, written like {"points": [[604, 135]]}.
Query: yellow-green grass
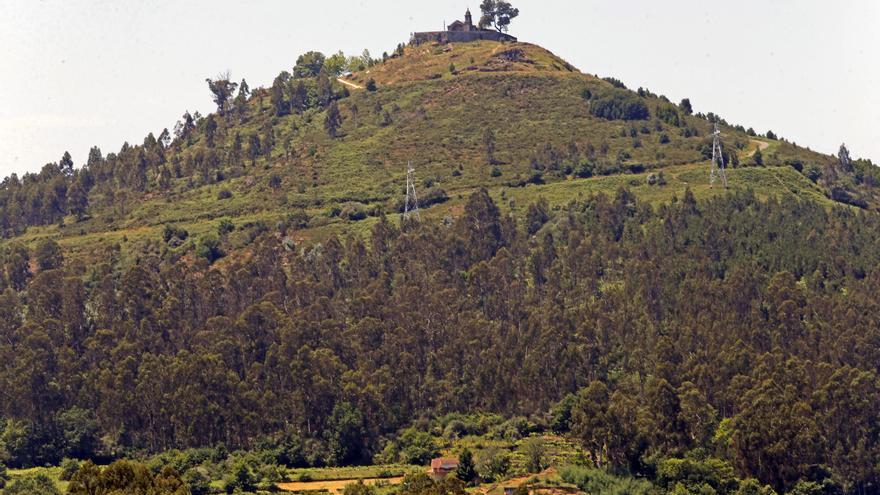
{"points": [[428, 60], [353, 472], [782, 182], [52, 472], [336, 486]]}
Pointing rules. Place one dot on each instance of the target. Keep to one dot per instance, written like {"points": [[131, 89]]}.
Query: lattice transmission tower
{"points": [[716, 171], [411, 206]]}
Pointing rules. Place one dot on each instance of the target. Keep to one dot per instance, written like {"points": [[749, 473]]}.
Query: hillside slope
{"points": [[248, 284], [434, 106]]}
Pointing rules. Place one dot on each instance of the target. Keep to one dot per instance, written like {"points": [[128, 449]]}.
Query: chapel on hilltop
{"points": [[460, 32]]}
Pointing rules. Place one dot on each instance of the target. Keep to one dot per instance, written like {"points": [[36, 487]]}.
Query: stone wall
{"points": [[458, 37]]}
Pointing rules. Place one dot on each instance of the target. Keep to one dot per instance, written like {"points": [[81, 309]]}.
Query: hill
{"points": [[273, 164], [247, 284]]}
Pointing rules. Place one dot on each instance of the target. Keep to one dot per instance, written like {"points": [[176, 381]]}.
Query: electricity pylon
{"points": [[411, 206], [716, 171]]}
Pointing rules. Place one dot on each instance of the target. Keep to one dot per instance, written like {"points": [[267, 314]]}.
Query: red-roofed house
{"points": [[442, 466]]}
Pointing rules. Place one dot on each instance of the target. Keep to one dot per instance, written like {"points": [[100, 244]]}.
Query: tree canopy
{"points": [[497, 14]]}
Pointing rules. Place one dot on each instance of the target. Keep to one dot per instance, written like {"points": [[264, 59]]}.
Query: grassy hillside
{"points": [[433, 106]]}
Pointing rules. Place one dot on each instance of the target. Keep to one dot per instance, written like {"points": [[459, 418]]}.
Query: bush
{"points": [[299, 219], [386, 120], [536, 216], [695, 474], [561, 414], [585, 170], [619, 106], [795, 164], [514, 428], [668, 114], [69, 467], [601, 482], [209, 248], [534, 450], [493, 464], [49, 255], [371, 85], [664, 138], [224, 194], [417, 447], [353, 211], [172, 232], [842, 195], [226, 226], [496, 172], [31, 485], [240, 479], [197, 482], [617, 83], [358, 488]]}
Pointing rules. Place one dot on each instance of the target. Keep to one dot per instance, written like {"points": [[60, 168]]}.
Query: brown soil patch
{"points": [[332, 486]]}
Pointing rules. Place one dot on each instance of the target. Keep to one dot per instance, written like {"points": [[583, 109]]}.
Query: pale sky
{"points": [[77, 73]]}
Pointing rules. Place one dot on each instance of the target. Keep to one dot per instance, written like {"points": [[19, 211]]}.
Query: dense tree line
{"points": [[741, 327]]}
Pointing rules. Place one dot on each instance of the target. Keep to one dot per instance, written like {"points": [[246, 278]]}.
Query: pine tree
{"points": [[489, 144], [466, 470], [333, 120]]}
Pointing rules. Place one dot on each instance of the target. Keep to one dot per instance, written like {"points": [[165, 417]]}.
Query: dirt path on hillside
{"points": [[349, 84], [761, 146]]}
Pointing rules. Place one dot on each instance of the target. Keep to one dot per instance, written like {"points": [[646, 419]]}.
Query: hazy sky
{"points": [[76, 73]]}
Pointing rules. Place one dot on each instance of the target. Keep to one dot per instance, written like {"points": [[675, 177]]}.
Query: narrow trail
{"points": [[761, 145], [349, 84]]}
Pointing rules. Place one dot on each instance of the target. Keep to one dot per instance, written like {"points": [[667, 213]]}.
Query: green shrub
{"points": [[174, 235], [417, 447], [493, 464], [197, 482], [209, 248], [353, 211], [600, 482], [694, 474], [31, 485], [240, 479], [225, 226], [69, 467], [358, 488], [617, 83], [496, 172], [619, 105]]}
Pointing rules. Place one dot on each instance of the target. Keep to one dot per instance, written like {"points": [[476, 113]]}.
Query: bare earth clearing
{"points": [[333, 486]]}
